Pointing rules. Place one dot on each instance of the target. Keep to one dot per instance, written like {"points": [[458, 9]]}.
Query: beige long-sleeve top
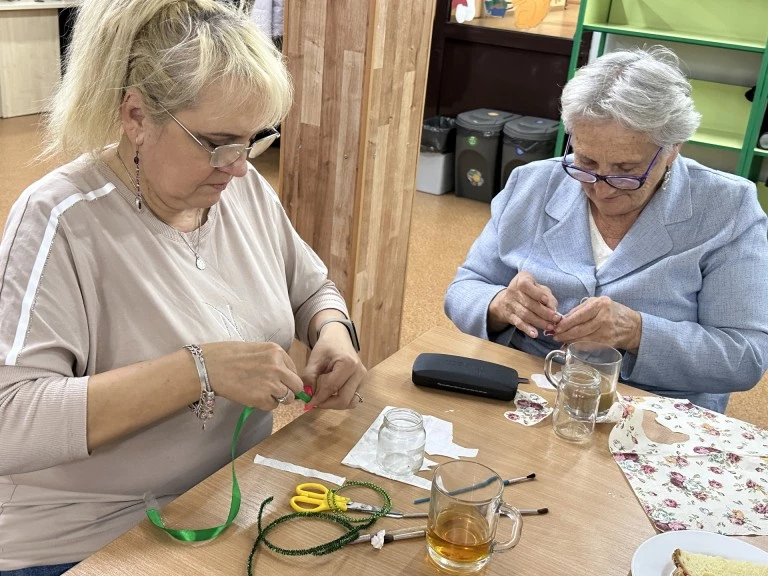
{"points": [[88, 284]]}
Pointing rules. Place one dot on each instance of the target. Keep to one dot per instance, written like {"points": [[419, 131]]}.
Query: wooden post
{"points": [[350, 147]]}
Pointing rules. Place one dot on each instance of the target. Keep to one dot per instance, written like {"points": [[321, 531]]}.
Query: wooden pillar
{"points": [[350, 147]]}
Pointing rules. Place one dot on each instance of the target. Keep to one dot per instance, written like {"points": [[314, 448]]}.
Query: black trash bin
{"points": [[477, 152], [438, 134], [436, 159], [526, 139]]}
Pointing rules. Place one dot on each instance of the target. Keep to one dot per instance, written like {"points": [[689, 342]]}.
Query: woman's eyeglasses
{"points": [[228, 154], [619, 182]]}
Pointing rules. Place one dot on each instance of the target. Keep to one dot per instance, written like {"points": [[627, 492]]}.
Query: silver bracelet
{"points": [[203, 408]]}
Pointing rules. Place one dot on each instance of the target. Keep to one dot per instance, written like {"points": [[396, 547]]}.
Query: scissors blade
{"points": [[359, 507]]}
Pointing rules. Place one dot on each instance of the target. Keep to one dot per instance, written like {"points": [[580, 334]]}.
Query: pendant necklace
{"points": [[199, 262]]}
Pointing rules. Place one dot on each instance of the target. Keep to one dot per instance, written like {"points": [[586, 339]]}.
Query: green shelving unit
{"points": [[724, 114], [729, 121], [733, 24], [762, 195]]}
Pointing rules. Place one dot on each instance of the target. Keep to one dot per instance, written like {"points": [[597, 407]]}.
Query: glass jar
{"points": [[400, 450]]}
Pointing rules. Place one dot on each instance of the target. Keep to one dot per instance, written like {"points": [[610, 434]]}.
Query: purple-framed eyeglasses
{"points": [[618, 182]]}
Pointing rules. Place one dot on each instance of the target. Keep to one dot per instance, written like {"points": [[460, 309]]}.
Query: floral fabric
{"points": [[530, 409], [717, 480]]}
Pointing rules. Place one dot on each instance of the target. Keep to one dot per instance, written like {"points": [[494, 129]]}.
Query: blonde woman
{"points": [[150, 275]]}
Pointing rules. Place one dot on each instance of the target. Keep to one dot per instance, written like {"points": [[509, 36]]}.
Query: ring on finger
{"points": [[359, 398], [283, 398]]}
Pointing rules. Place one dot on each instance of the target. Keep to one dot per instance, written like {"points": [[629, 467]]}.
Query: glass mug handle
{"points": [[548, 366], [513, 514]]}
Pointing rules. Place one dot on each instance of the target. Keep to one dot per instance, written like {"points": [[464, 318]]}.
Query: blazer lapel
{"points": [[648, 239], [568, 240]]}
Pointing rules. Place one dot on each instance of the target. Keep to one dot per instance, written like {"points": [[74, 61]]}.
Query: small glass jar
{"points": [[400, 450]]}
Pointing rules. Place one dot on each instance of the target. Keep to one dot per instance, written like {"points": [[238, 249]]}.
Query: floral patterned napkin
{"points": [[531, 409], [717, 480]]}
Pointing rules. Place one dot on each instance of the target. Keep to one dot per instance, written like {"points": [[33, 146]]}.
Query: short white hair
{"points": [[642, 89]]}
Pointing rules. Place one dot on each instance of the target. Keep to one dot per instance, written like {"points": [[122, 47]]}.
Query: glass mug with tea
{"points": [[603, 358], [462, 523], [578, 396]]}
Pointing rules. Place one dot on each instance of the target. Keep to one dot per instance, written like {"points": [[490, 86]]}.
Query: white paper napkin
{"points": [[542, 381], [439, 442], [301, 470]]}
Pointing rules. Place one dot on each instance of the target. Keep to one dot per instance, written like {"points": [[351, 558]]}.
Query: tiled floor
{"points": [[442, 229]]}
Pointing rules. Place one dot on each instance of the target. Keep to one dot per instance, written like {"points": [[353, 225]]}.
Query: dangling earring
{"points": [[139, 199], [667, 176]]}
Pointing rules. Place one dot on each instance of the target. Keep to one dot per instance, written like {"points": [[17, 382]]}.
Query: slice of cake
{"points": [[691, 564]]}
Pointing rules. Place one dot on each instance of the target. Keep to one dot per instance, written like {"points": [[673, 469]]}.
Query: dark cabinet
{"points": [[474, 66]]}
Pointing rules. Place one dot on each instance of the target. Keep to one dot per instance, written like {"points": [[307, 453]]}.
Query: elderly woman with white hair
{"points": [[627, 243], [151, 288]]}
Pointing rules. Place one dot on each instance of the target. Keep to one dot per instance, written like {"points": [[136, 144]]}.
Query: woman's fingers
{"points": [[523, 326], [342, 399], [602, 320], [336, 388], [261, 375], [531, 306], [584, 322], [286, 388]]}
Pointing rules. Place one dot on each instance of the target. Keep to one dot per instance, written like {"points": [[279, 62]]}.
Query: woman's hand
{"points": [[252, 374], [600, 319], [524, 304], [334, 370]]}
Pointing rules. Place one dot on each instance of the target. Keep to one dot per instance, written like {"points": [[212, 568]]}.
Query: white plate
{"points": [[654, 556]]}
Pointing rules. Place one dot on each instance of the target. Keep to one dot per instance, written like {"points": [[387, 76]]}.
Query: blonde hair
{"points": [[170, 51]]}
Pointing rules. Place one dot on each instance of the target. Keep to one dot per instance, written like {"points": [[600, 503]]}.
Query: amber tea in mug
{"points": [[464, 509], [460, 534]]}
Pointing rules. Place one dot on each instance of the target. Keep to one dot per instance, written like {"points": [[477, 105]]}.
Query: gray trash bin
{"points": [[477, 152], [526, 139]]}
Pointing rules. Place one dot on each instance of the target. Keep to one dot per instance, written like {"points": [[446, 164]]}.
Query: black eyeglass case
{"points": [[466, 376]]}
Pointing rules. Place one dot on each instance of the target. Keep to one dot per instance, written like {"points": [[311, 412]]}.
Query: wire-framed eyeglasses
{"points": [[228, 154], [618, 182]]}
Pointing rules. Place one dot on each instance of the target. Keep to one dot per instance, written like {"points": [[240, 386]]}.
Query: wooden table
{"points": [[594, 525]]}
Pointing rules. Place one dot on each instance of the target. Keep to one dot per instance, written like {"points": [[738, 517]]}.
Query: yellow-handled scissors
{"points": [[313, 497]]}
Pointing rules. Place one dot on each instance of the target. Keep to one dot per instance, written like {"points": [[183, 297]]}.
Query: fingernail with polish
{"points": [[548, 332]]}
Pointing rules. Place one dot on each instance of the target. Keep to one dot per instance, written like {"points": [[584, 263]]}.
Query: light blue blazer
{"points": [[694, 264]]}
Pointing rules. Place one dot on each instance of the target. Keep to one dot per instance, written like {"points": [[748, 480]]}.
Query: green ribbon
{"points": [[234, 507]]}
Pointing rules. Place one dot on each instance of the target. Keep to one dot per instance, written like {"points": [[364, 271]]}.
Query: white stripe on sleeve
{"points": [[37, 269]]}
